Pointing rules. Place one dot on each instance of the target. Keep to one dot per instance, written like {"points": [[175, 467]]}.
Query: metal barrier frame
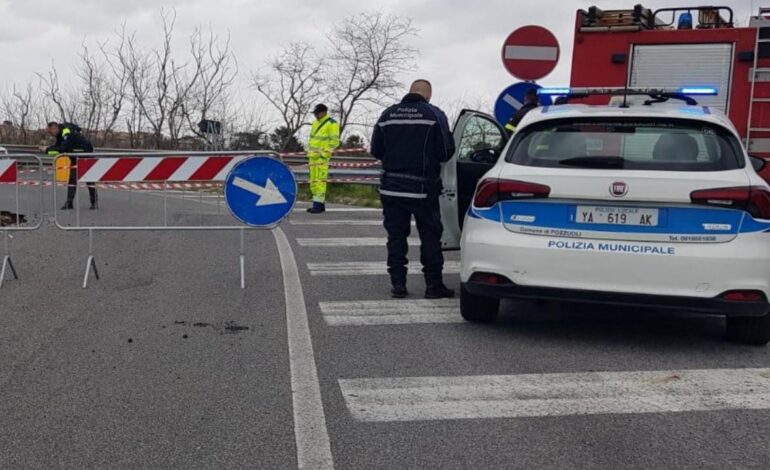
{"points": [[7, 260], [91, 263]]}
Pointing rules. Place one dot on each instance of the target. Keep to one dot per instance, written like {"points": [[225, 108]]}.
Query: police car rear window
{"points": [[628, 144]]}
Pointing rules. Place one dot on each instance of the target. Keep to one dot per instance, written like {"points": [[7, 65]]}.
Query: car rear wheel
{"points": [[749, 330], [477, 309]]}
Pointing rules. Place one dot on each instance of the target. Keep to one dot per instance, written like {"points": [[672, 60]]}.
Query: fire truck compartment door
{"points": [[677, 65]]}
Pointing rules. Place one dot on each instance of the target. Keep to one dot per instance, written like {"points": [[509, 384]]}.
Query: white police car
{"points": [[652, 205]]}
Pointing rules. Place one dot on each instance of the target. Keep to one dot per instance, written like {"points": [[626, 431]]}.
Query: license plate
{"points": [[607, 215]]}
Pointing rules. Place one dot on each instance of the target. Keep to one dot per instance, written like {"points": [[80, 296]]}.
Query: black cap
{"points": [[320, 108]]}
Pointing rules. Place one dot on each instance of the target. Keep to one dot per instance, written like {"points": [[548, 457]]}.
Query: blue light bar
{"points": [[554, 91], [702, 91]]}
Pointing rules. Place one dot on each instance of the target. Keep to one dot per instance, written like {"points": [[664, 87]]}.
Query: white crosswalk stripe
{"points": [[367, 268], [391, 312], [564, 394], [344, 242]]}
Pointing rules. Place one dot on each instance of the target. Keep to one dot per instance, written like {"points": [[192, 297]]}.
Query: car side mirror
{"points": [[758, 163], [488, 156]]}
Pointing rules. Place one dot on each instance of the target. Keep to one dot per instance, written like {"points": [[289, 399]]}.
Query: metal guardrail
{"points": [[345, 175], [350, 155]]}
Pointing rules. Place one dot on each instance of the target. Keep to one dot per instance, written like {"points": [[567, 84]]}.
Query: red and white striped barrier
{"points": [[154, 169], [8, 171]]}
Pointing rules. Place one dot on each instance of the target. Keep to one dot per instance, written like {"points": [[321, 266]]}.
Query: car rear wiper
{"points": [[594, 162]]}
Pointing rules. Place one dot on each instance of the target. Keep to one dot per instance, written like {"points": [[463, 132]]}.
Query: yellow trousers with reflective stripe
{"points": [[319, 174]]}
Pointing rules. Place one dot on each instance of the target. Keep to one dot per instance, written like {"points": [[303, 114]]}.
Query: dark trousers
{"points": [[72, 187], [398, 214]]}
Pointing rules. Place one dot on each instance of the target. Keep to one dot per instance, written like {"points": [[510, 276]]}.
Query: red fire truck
{"points": [[683, 46]]}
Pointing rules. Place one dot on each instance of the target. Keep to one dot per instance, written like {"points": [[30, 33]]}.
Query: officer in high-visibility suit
{"points": [[70, 141], [324, 139], [531, 101]]}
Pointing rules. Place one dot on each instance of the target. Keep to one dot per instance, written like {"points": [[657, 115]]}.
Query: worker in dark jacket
{"points": [[412, 139], [531, 101], [70, 141]]}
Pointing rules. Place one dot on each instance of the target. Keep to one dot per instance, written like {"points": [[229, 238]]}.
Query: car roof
{"points": [[677, 111]]}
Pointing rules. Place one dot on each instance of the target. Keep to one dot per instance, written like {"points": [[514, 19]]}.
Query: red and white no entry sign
{"points": [[530, 53]]}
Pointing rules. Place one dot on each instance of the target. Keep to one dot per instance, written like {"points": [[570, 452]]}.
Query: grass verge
{"points": [[364, 195]]}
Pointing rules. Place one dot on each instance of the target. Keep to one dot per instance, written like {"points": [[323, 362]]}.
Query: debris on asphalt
{"points": [[232, 327], [228, 327], [8, 219]]}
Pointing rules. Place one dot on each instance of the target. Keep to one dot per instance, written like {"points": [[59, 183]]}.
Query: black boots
{"points": [[68, 206], [398, 291], [439, 291], [318, 207]]}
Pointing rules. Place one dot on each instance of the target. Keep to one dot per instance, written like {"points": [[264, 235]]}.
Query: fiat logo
{"points": [[618, 189]]}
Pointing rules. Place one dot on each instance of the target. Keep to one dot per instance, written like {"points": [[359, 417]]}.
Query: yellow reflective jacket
{"points": [[324, 138]]}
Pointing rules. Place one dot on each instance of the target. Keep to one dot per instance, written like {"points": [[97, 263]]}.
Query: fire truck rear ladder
{"points": [[762, 23]]}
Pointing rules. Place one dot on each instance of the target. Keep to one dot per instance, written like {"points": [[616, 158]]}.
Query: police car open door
{"points": [[479, 141]]}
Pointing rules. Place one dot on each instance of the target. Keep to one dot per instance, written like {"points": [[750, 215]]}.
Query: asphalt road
{"points": [[166, 363]]}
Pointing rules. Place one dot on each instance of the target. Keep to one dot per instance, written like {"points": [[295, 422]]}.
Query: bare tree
{"points": [[161, 68], [117, 83], [19, 107], [216, 69], [369, 51], [137, 66], [152, 82], [92, 94], [291, 84], [475, 101], [56, 100]]}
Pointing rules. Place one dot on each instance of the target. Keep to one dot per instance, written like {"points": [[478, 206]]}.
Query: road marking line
{"points": [[536, 395], [313, 449], [338, 222], [391, 312], [343, 209], [366, 268], [345, 242]]}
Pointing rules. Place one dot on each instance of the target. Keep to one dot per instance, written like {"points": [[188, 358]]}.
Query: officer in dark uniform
{"points": [[531, 101], [70, 141], [412, 139]]}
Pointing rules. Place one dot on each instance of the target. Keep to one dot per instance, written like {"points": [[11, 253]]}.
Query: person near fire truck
{"points": [[531, 101]]}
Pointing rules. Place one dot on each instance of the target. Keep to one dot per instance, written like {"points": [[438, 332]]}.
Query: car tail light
{"points": [[744, 296], [752, 199], [489, 278], [491, 191]]}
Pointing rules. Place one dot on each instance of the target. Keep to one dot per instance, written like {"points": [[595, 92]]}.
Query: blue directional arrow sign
{"points": [[512, 98], [260, 191]]}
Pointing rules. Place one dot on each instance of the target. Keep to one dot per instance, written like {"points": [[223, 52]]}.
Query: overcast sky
{"points": [[459, 40]]}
